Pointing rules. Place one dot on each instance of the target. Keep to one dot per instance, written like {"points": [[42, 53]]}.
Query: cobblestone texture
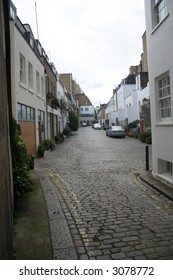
{"points": [[109, 212]]}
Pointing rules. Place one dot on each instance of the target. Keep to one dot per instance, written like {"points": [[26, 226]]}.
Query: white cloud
{"points": [[96, 40]]}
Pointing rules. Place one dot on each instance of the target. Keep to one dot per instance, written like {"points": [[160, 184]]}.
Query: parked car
{"points": [[115, 131], [84, 124], [97, 126]]}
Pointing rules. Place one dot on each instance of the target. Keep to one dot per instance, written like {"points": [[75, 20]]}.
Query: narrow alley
{"points": [[97, 206]]}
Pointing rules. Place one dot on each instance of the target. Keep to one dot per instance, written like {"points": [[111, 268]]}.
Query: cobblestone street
{"points": [[110, 213]]}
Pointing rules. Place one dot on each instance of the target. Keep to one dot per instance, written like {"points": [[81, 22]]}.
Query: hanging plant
{"points": [[55, 103]]}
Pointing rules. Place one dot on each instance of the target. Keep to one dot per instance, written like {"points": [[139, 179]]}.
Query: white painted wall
{"points": [[160, 58], [21, 93], [87, 110]]}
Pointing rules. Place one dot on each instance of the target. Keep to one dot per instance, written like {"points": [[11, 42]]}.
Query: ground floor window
{"points": [[165, 169], [25, 112]]}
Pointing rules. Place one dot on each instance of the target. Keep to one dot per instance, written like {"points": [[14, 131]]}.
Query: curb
{"points": [[61, 240], [146, 176]]}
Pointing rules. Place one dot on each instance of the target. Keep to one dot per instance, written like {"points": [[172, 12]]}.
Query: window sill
{"points": [[31, 90], [164, 123], [157, 26], [22, 85]]}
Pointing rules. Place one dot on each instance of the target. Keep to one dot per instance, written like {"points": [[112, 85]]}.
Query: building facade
{"points": [[159, 23], [28, 84], [87, 114]]}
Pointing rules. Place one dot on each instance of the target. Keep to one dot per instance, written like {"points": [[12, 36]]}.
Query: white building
{"points": [[87, 114], [142, 90], [28, 84], [111, 111], [126, 100], [62, 112], [159, 26]]}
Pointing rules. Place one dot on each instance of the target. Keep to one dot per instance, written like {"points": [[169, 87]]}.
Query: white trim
{"points": [[157, 26]]}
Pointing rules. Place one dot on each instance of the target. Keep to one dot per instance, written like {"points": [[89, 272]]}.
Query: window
{"points": [[163, 96], [86, 109], [160, 11], [42, 87], [25, 112], [40, 116], [22, 69], [165, 169], [30, 75], [38, 82]]}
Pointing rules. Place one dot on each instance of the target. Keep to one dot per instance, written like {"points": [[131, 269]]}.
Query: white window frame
{"points": [[38, 82], [165, 170], [160, 11], [30, 76], [163, 98], [22, 69], [42, 87]]}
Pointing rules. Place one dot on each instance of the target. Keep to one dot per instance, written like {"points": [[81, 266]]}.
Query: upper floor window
{"points": [[30, 75], [38, 82], [163, 96], [22, 69], [42, 87], [160, 11]]}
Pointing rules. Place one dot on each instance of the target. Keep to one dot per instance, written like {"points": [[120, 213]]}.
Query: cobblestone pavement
{"points": [[110, 213]]}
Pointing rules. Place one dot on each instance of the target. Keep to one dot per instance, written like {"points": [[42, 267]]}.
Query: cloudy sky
{"points": [[95, 40]]}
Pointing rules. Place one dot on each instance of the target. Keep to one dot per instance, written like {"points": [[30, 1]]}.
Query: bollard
{"points": [[147, 157]]}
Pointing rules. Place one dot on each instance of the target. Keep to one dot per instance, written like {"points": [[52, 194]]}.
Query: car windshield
{"points": [[117, 128]]}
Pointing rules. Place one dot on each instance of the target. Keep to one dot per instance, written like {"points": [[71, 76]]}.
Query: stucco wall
{"points": [[160, 60]]}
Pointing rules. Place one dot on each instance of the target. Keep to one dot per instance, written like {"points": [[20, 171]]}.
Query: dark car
{"points": [[115, 131]]}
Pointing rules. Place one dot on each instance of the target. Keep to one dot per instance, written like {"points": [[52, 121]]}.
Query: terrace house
{"points": [[28, 83], [159, 23]]}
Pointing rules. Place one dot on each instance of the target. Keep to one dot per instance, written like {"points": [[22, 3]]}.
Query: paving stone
{"points": [[83, 257], [118, 256], [90, 186]]}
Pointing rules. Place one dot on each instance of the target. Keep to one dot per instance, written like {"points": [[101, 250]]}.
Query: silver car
{"points": [[115, 131], [97, 126]]}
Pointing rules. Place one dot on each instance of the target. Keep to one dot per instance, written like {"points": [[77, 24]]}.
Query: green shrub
{"points": [[41, 150], [146, 137], [48, 145], [20, 163], [31, 162], [73, 121], [66, 131], [59, 138]]}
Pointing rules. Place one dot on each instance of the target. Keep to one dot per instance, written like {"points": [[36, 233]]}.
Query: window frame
{"points": [[160, 12], [42, 87], [25, 113], [30, 76], [22, 65], [165, 170], [163, 97], [38, 83]]}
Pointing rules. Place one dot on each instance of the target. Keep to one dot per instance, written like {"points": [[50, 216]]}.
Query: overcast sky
{"points": [[95, 40]]}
